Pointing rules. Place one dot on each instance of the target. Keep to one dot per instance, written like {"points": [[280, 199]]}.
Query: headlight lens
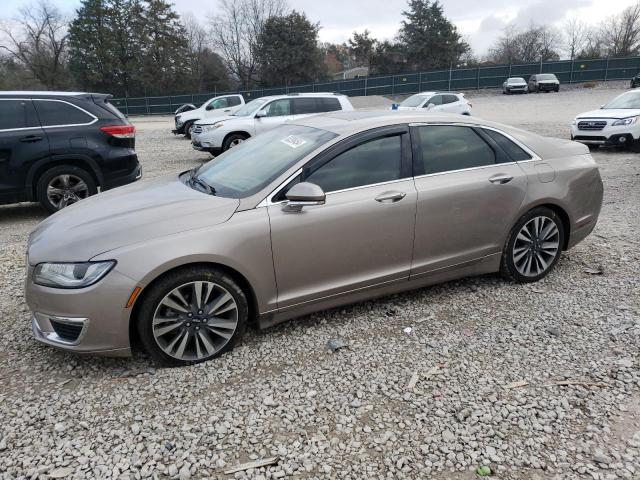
{"points": [[209, 128], [70, 275], [625, 121]]}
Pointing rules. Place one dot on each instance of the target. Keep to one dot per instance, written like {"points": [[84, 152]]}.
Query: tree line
{"points": [[144, 48]]}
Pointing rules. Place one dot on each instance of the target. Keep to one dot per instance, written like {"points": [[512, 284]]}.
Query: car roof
{"points": [[300, 95], [51, 94]]}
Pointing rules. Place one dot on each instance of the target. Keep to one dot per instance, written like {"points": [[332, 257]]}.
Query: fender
{"points": [[53, 160]]}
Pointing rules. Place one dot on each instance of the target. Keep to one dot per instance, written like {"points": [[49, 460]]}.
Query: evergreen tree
{"points": [[288, 50], [429, 39]]}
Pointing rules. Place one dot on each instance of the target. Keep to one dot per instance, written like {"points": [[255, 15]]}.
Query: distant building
{"points": [[351, 73]]}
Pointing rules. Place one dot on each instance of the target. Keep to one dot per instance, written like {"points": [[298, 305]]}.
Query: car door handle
{"points": [[31, 138], [500, 178], [390, 197]]}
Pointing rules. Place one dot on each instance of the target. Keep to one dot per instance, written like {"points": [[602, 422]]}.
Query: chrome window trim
{"points": [[95, 119]]}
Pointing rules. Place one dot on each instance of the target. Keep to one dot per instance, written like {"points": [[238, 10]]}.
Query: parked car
{"points": [[544, 82], [57, 148], [635, 81], [185, 108], [214, 107], [614, 124], [515, 85], [437, 102], [261, 115], [329, 210]]}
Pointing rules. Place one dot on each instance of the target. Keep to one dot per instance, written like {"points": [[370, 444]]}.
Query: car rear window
{"points": [[17, 114], [113, 109], [514, 151], [56, 113], [233, 101]]}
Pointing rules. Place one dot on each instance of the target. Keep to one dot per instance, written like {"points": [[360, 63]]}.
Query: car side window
{"points": [[278, 108], [514, 151], [233, 101], [54, 113], [374, 161], [306, 105], [219, 103], [449, 99], [17, 114], [330, 104], [436, 100], [447, 148]]}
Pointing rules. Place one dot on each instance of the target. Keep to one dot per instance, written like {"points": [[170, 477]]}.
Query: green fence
{"points": [[567, 71]]}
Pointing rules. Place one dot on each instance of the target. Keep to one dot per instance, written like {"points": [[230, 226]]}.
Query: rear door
{"points": [[434, 103], [22, 143], [278, 111], [452, 104], [469, 195]]}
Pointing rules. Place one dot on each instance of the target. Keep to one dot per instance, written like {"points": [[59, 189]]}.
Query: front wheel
{"points": [[192, 315], [233, 140], [188, 129], [534, 246]]}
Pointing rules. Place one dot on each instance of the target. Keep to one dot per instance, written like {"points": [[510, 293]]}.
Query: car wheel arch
{"points": [[39, 168], [242, 280], [560, 211], [236, 132]]}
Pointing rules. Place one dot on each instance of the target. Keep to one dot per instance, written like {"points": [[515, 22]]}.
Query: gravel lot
{"points": [[352, 413]]}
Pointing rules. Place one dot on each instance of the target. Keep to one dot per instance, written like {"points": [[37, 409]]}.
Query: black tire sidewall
{"points": [[157, 291], [508, 268], [231, 138], [46, 177], [187, 126]]}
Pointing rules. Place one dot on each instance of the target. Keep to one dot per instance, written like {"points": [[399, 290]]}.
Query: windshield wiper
{"points": [[193, 179]]}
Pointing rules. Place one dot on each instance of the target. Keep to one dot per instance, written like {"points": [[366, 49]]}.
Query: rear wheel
{"points": [[64, 185], [191, 316], [534, 246]]}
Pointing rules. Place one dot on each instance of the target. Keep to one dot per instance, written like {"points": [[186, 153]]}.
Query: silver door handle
{"points": [[500, 178], [390, 197]]}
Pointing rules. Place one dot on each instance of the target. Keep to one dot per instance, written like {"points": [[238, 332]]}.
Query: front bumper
{"points": [[609, 136], [548, 87], [90, 320], [135, 175], [522, 89]]}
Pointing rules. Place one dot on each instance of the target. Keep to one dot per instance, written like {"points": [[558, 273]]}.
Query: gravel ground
{"points": [[534, 381]]}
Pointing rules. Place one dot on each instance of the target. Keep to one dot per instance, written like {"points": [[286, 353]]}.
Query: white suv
{"points": [[436, 102], [214, 107], [260, 115], [616, 123]]}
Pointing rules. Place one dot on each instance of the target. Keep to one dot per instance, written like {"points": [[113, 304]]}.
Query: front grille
{"points": [[592, 125], [66, 331], [585, 137], [197, 129]]}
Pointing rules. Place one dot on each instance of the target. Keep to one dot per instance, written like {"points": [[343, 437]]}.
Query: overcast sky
{"points": [[480, 21]]}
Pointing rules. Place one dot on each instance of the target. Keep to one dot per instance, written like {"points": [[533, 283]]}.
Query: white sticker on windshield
{"points": [[293, 141]]}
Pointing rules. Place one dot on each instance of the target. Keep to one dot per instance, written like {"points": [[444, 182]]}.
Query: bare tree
{"points": [[37, 39], [576, 34], [235, 34], [534, 44], [620, 33]]}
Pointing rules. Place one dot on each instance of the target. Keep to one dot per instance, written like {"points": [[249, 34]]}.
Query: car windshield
{"points": [[626, 100], [250, 108], [253, 164], [413, 101], [547, 76], [516, 80]]}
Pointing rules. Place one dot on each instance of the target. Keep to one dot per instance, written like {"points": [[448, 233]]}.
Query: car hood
{"points": [[610, 113], [125, 216], [191, 114], [212, 120]]}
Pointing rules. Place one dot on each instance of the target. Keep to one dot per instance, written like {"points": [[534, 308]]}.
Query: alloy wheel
{"points": [[66, 189], [195, 321], [536, 246]]}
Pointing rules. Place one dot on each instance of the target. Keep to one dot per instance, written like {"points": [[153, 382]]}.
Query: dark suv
{"points": [[57, 147]]}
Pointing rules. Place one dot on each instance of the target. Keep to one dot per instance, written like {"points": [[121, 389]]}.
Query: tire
{"points": [[233, 140], [205, 340], [557, 89], [634, 146], [64, 185], [539, 261], [593, 147], [187, 127]]}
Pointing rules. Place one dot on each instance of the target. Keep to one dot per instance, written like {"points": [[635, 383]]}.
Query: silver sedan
{"points": [[331, 210]]}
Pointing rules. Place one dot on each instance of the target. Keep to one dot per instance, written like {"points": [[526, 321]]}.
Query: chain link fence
{"points": [[567, 71]]}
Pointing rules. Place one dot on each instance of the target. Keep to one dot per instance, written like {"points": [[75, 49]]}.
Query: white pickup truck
{"points": [[214, 107]]}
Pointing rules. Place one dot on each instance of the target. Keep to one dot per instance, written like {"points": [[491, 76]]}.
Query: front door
{"points": [[362, 236], [22, 143], [278, 112], [469, 195]]}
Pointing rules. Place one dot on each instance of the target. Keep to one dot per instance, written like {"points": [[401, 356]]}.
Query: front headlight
{"points": [[625, 121], [209, 128], [178, 121], [70, 275]]}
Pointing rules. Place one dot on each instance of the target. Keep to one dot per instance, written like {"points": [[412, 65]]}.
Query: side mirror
{"points": [[430, 106], [261, 113], [304, 194], [209, 107]]}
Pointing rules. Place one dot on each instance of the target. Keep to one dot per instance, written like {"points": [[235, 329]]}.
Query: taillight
{"points": [[120, 131]]}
